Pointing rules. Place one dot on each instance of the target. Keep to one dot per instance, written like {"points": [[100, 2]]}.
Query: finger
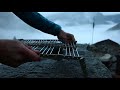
{"points": [[28, 46], [31, 54], [63, 41], [71, 37], [36, 51]]}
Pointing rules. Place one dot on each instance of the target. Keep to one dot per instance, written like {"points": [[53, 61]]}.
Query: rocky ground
{"points": [[100, 58], [108, 52]]}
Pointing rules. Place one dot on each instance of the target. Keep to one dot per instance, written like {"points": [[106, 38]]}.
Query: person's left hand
{"points": [[66, 37]]}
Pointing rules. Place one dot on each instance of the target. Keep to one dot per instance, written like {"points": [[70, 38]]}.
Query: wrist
{"points": [[61, 33]]}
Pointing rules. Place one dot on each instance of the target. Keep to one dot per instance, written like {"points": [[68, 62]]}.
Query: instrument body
{"points": [[55, 49]]}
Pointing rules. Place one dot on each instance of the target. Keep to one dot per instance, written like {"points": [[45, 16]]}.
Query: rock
{"points": [[106, 52], [48, 68], [106, 58], [114, 59], [113, 68], [116, 27], [104, 47], [92, 48], [118, 65]]}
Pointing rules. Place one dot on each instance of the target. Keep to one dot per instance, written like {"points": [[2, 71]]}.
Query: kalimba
{"points": [[55, 49]]}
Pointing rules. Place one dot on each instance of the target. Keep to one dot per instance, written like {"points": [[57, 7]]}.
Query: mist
{"points": [[11, 26]]}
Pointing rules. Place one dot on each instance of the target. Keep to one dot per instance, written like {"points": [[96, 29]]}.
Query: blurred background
{"points": [[87, 27]]}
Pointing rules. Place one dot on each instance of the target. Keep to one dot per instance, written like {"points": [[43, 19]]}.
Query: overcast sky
{"points": [[110, 13], [50, 13]]}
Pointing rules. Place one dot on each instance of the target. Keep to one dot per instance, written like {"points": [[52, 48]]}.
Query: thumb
{"points": [[31, 54]]}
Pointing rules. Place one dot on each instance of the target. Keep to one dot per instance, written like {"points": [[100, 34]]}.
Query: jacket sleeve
{"points": [[39, 22]]}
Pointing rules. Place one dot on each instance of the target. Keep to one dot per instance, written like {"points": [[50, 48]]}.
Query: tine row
{"points": [[49, 47]]}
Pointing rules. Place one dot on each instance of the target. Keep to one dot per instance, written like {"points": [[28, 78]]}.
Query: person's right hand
{"points": [[14, 53], [66, 37]]}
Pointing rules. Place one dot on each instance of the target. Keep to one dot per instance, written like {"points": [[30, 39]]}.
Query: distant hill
{"points": [[113, 18], [116, 27], [100, 19], [76, 18]]}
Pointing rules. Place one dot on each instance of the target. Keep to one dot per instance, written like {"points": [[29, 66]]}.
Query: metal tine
{"points": [[46, 42], [72, 49], [33, 47], [59, 50], [52, 43], [45, 50], [33, 42], [49, 47], [53, 47], [42, 48], [48, 50], [74, 45], [26, 42], [77, 52], [73, 52], [69, 51], [39, 42], [65, 49], [52, 50], [70, 44], [49, 42], [42, 41], [57, 41], [36, 42], [36, 47], [29, 41], [67, 44]]}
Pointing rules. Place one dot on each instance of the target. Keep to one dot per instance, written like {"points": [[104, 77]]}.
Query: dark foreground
{"points": [[101, 59]]}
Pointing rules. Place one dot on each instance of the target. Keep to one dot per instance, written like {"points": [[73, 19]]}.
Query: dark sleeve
{"points": [[39, 22]]}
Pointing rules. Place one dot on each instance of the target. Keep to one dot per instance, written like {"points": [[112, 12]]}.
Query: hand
{"points": [[66, 37], [14, 53]]}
